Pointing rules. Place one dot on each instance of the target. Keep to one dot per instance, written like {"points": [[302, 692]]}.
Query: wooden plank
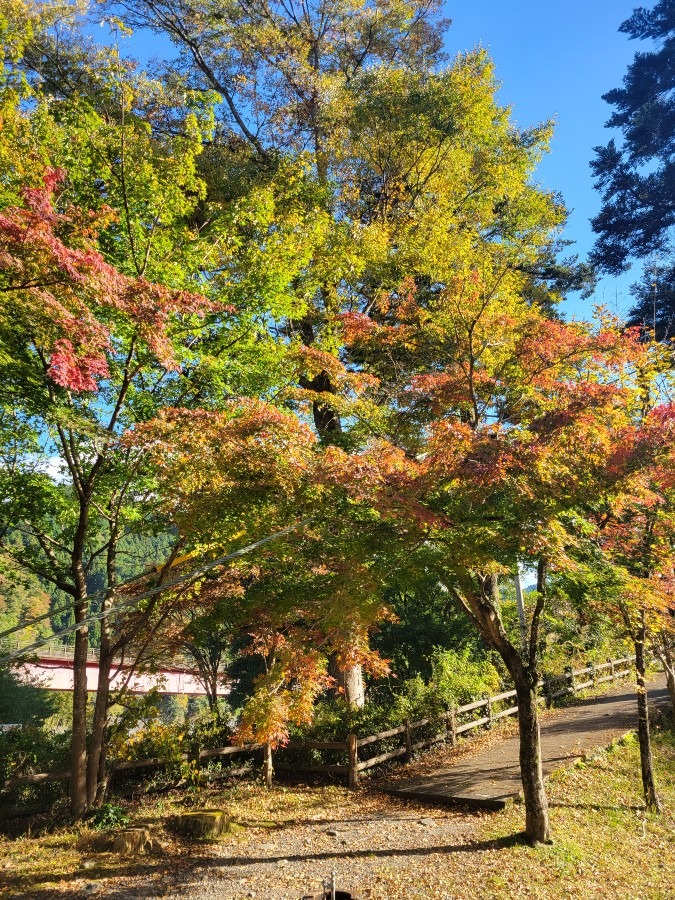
{"points": [[315, 745], [584, 684], [604, 678], [146, 763], [606, 665], [333, 770], [228, 751], [586, 671], [505, 696], [40, 778], [383, 757], [511, 711], [420, 723], [469, 706], [475, 724], [353, 754], [436, 739], [380, 736]]}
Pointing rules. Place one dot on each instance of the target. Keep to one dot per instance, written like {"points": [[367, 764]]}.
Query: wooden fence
{"points": [[447, 727]]}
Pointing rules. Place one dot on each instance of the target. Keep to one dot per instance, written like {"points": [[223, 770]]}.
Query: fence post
{"points": [[353, 750], [594, 675], [408, 742], [573, 684], [489, 710], [612, 670], [452, 717]]}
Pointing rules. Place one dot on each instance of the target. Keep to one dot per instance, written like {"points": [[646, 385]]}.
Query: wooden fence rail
{"points": [[448, 727]]}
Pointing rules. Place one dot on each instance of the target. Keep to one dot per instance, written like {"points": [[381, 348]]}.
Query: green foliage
{"points": [[22, 598], [634, 177], [30, 750], [24, 703], [109, 816], [457, 677], [425, 617]]}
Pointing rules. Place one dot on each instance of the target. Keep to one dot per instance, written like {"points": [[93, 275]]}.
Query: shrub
{"points": [[109, 816]]}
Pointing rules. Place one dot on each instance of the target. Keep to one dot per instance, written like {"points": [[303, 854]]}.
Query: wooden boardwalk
{"points": [[491, 778]]}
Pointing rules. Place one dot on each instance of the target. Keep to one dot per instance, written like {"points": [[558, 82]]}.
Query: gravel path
{"points": [[370, 841]]}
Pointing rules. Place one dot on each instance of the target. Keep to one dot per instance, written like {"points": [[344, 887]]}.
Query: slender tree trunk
{"points": [[268, 766], [537, 826], [78, 747], [103, 775], [96, 763], [99, 726], [482, 609], [211, 687], [665, 652], [646, 762]]}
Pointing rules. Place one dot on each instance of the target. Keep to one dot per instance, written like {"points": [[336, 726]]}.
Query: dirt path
{"points": [[491, 778]]}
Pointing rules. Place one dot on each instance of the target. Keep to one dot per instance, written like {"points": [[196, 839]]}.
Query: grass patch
{"points": [[606, 843]]}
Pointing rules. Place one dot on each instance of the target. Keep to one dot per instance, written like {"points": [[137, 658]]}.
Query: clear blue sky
{"points": [[555, 60]]}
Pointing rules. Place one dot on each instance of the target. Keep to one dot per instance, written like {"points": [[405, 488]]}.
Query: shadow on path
{"points": [[237, 864]]}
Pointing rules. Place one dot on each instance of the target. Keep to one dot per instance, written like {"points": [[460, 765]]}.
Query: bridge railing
{"points": [[57, 650], [52, 650]]}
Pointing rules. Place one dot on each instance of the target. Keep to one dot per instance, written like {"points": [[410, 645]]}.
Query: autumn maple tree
{"points": [[121, 266], [65, 310], [624, 557], [301, 603], [490, 402]]}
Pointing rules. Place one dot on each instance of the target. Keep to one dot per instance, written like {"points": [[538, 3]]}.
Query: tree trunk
{"points": [[96, 764], [99, 726], [537, 827], [268, 766], [350, 685], [352, 680], [78, 747], [646, 762], [103, 775], [477, 597], [665, 652]]}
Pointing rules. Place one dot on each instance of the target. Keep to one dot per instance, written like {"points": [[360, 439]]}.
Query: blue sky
{"points": [[555, 60]]}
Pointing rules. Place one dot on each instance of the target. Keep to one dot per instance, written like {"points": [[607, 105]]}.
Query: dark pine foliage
{"points": [[636, 178]]}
